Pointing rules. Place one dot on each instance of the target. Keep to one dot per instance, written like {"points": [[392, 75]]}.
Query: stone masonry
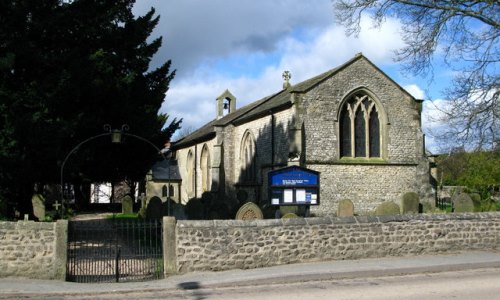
{"points": [[33, 249], [229, 244]]}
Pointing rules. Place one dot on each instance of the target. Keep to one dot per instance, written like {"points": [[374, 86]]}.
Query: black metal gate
{"points": [[114, 250]]}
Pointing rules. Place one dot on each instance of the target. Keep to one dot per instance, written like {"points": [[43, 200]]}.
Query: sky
{"points": [[245, 46]]}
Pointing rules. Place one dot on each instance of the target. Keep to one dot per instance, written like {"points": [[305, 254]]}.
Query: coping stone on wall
{"points": [[344, 220], [195, 224], [366, 219], [319, 221], [386, 218], [336, 220], [294, 221], [7, 225]]}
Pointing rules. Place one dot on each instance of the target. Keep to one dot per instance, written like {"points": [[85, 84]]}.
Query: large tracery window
{"points": [[248, 159], [359, 127]]}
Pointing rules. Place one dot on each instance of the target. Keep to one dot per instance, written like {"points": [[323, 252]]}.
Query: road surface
{"points": [[483, 284]]}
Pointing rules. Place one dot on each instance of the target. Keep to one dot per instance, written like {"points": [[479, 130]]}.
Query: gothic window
{"points": [[345, 132], [248, 159], [359, 133], [359, 130], [374, 134], [205, 164], [190, 173]]}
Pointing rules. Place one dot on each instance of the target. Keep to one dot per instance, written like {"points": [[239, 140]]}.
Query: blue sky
{"points": [[245, 46]]}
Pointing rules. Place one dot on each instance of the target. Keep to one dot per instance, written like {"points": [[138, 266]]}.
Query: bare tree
{"points": [[184, 132], [465, 35]]}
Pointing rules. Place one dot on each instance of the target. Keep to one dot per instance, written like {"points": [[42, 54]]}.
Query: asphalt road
{"points": [[467, 275], [481, 284]]}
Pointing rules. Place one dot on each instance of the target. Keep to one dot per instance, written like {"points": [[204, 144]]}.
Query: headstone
{"points": [[38, 206], [387, 208], [345, 209], [249, 211], [207, 198], [289, 216], [168, 207], [410, 203], [154, 209], [194, 209], [462, 203], [178, 211], [476, 201], [142, 199], [127, 205], [285, 209]]}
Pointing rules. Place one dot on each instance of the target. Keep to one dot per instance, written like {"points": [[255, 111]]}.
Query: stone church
{"points": [[353, 124]]}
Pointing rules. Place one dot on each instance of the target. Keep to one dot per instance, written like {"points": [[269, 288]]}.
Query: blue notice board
{"points": [[294, 186]]}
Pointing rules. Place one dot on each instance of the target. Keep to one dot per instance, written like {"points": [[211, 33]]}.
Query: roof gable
{"points": [[271, 103]]}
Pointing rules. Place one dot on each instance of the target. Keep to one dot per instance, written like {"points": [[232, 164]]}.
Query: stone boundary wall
{"points": [[229, 244], [33, 249]]}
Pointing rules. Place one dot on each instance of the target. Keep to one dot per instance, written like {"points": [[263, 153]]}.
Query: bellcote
{"points": [[226, 104]]}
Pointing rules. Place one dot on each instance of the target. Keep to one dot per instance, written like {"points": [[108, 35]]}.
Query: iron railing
{"points": [[114, 250]]}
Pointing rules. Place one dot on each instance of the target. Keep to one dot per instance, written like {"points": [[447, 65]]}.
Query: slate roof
{"points": [[265, 106], [166, 170]]}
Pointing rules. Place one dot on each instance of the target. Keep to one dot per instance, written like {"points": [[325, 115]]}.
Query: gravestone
{"points": [[462, 203], [249, 211], [194, 209], [142, 200], [38, 202], [410, 203], [476, 200], [127, 205], [178, 211], [290, 216], [345, 209], [154, 209], [285, 209], [387, 208]]}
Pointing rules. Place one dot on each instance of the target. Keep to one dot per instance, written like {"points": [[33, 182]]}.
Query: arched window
{"points": [[359, 127], [190, 173], [206, 167], [248, 159]]}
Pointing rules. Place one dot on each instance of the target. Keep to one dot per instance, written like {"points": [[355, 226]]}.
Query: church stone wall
{"points": [[366, 186], [319, 111], [261, 130], [181, 156]]}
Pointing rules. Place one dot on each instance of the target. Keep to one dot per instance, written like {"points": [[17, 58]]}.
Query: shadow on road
{"points": [[193, 285]]}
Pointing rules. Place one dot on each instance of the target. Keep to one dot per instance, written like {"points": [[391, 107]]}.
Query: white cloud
{"points": [[415, 91], [315, 51], [433, 122], [195, 30]]}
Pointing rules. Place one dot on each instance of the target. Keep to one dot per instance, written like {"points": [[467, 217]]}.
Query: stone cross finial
{"points": [[286, 76]]}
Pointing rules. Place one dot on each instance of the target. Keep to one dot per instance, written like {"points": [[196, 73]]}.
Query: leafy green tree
{"points": [[478, 171], [66, 69]]}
